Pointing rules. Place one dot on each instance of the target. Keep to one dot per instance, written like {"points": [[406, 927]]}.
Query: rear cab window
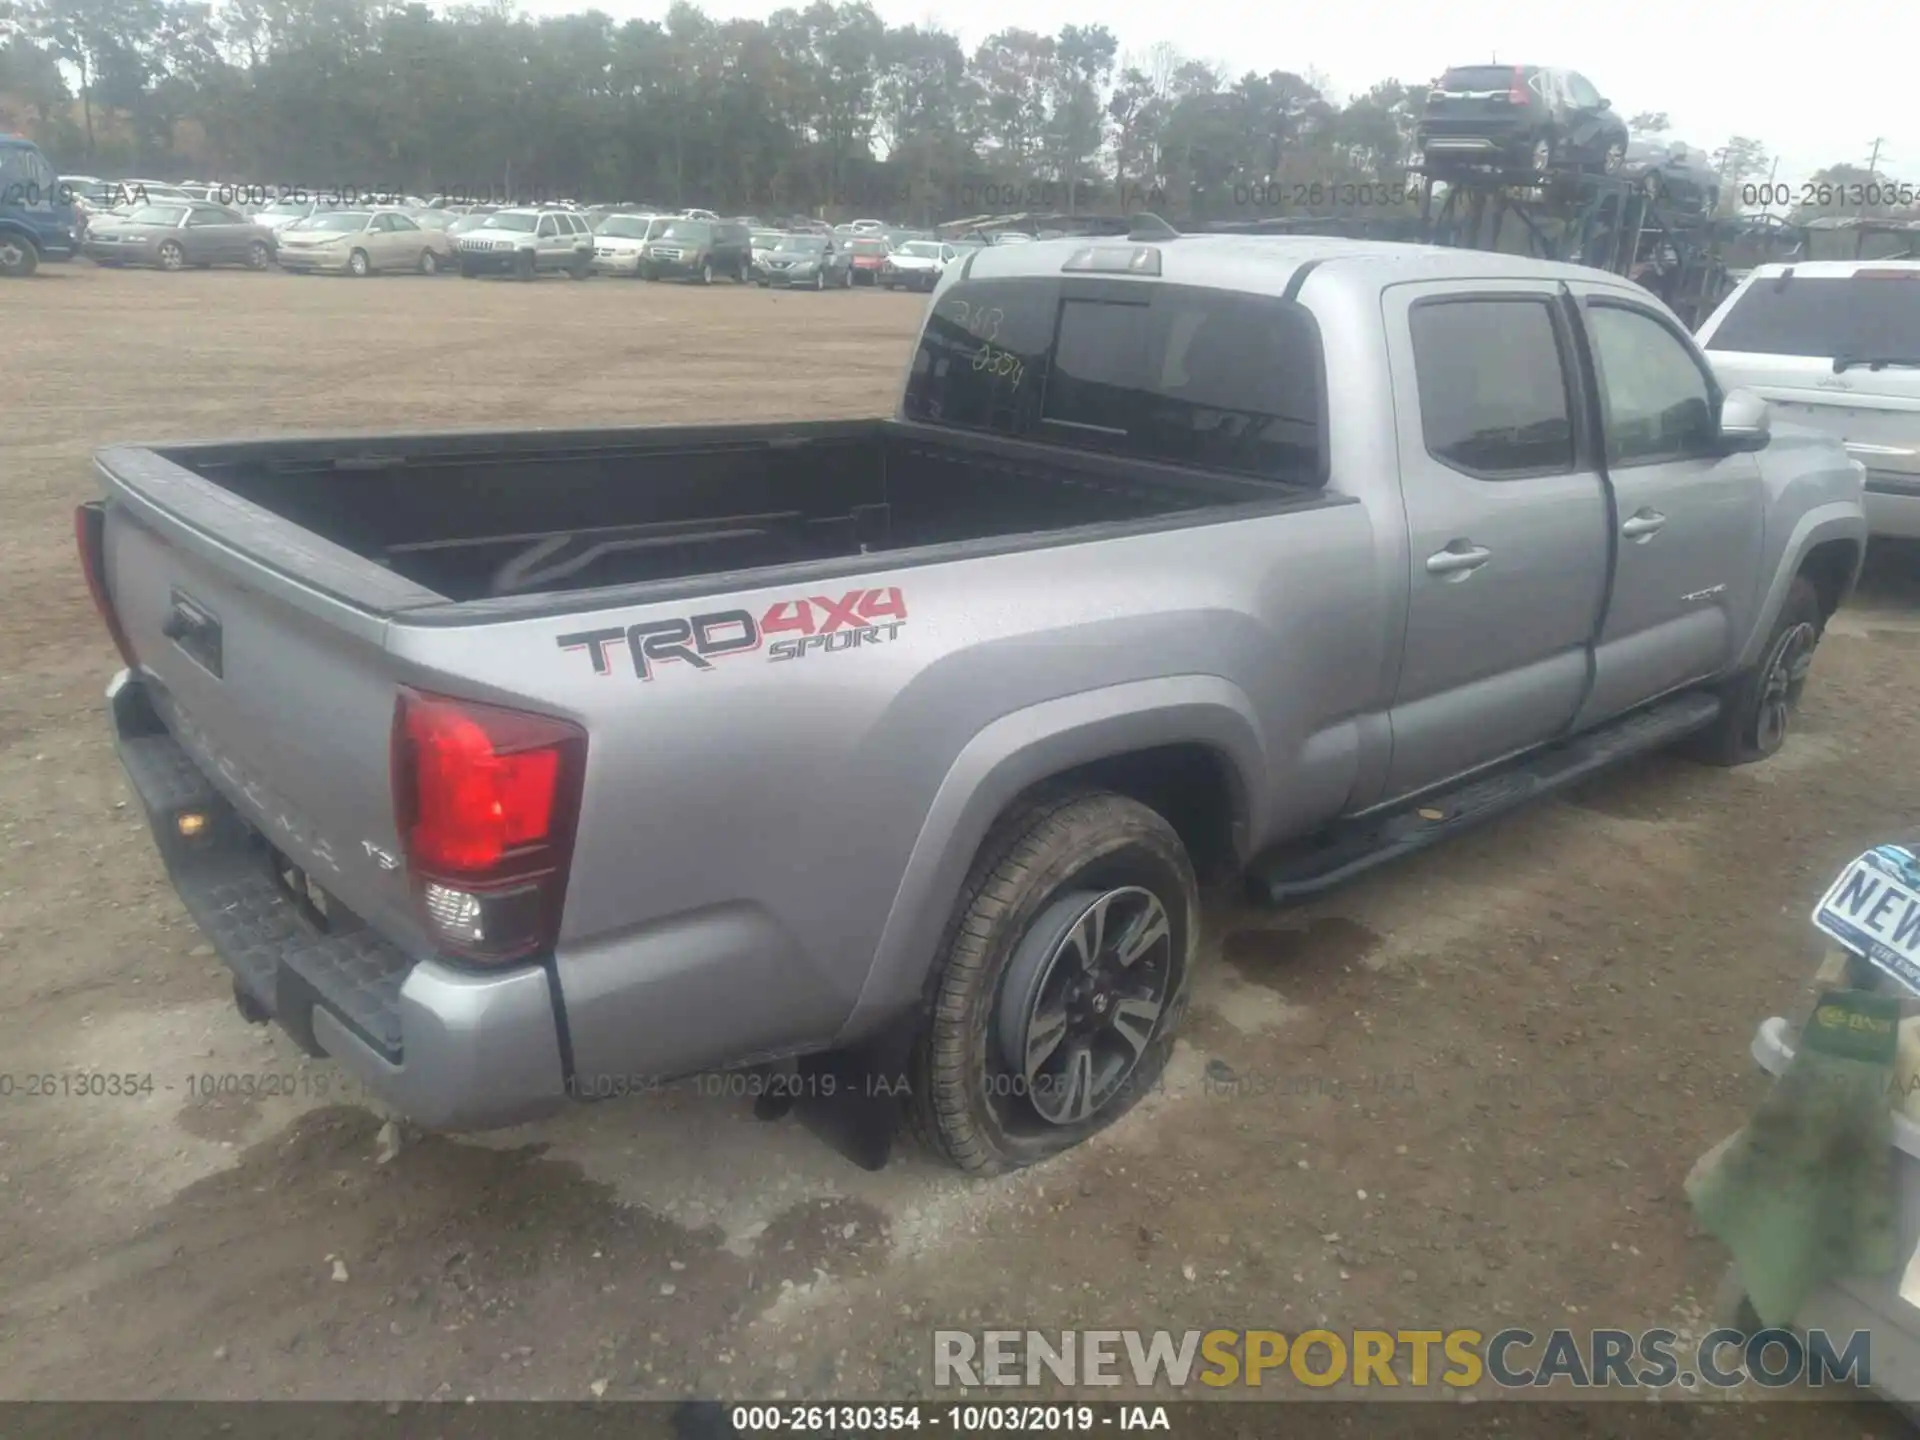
{"points": [[1183, 375], [1874, 313]]}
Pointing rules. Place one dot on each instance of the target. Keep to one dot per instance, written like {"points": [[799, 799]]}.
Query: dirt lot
{"points": [[1462, 1093]]}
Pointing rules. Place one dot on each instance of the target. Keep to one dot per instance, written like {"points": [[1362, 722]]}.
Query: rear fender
{"points": [[1013, 755]]}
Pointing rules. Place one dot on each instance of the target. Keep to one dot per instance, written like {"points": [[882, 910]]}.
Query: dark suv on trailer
{"points": [[1524, 119], [699, 250]]}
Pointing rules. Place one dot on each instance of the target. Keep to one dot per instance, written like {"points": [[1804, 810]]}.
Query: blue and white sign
{"points": [[1874, 910]]}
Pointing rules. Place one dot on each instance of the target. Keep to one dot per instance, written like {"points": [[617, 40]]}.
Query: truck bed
{"points": [[495, 517]]}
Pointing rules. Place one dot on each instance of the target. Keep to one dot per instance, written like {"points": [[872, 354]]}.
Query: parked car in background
{"points": [[37, 216], [1835, 345], [1524, 119], [760, 243], [807, 262], [699, 250], [868, 256], [698, 215], [528, 243], [282, 213], [917, 265], [363, 242], [174, 234], [620, 241], [1674, 173]]}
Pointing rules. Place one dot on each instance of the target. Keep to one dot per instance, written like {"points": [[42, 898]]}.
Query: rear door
{"points": [[1691, 521], [546, 242], [1506, 513], [1781, 335], [209, 238]]}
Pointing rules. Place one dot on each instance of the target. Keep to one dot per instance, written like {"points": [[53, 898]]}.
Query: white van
{"points": [[1835, 345]]}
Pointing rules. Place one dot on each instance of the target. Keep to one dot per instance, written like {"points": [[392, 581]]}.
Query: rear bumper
{"points": [[451, 1049], [1482, 141], [1893, 507]]}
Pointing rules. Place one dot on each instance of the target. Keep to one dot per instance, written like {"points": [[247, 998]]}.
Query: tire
{"points": [[1760, 703], [1540, 157], [706, 272], [740, 275], [1613, 157], [525, 267], [581, 269], [468, 270], [358, 265], [18, 257], [846, 279], [171, 256], [765, 284], [429, 263], [819, 280], [1043, 876], [258, 256]]}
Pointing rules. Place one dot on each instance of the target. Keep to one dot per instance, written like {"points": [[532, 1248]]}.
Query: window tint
{"points": [[1658, 404], [1583, 93], [1493, 391], [547, 226], [1189, 376], [1825, 317], [401, 222], [207, 215]]}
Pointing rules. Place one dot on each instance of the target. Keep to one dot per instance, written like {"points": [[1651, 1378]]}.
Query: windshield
{"points": [[1869, 315], [337, 224], [158, 215], [629, 227], [513, 220], [801, 244], [925, 249], [696, 231], [1206, 378], [765, 239]]}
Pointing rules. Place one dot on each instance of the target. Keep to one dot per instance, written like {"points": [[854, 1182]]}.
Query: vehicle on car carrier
{"points": [[890, 754]]}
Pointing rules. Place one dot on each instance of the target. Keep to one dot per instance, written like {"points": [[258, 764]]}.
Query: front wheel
{"points": [[1613, 157], [171, 256], [525, 267], [429, 263], [581, 269], [358, 265], [1060, 983], [1759, 705], [706, 272], [258, 256]]}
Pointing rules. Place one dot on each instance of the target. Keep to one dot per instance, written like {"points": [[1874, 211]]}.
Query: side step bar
{"points": [[1304, 871]]}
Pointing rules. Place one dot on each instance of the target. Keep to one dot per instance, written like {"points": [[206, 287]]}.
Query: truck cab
{"points": [[36, 210]]}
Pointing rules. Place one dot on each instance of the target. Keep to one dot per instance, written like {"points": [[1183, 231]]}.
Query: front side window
{"points": [[1657, 402], [1494, 400]]}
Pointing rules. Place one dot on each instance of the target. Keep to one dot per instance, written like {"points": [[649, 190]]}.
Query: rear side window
{"points": [[1826, 317], [1478, 78], [1178, 374], [1493, 386]]}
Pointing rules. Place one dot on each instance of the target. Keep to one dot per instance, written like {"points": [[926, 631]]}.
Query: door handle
{"points": [[1458, 563], [1643, 524]]}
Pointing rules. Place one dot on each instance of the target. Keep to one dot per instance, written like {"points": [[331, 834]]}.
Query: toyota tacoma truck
{"points": [[514, 768]]}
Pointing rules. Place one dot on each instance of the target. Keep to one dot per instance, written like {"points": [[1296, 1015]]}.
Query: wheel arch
{"points": [[1188, 746], [1828, 545]]}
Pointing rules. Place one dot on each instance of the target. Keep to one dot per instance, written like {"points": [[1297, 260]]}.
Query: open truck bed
{"points": [[506, 517]]}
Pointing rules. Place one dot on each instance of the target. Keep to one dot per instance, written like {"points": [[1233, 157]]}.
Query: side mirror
{"points": [[1745, 423]]}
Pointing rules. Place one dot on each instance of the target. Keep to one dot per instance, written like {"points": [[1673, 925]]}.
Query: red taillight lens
{"points": [[1517, 92], [90, 535], [486, 800]]}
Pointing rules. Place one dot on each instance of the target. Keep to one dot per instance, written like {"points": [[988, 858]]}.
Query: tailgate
{"points": [[280, 694], [1875, 412]]}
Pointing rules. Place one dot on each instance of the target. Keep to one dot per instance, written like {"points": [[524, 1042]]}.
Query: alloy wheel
{"points": [[1785, 677]]}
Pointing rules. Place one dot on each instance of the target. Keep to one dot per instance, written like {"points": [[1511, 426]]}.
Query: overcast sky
{"points": [[1810, 86]]}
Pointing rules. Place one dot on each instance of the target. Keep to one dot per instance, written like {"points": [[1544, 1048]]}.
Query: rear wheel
{"points": [[358, 265], [706, 272], [1613, 157], [1060, 983], [1760, 704], [258, 256], [429, 263], [819, 280], [171, 256], [1540, 158], [581, 269], [18, 258]]}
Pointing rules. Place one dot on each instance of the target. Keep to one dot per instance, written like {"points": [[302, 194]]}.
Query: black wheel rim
{"points": [[1783, 678], [1086, 992]]}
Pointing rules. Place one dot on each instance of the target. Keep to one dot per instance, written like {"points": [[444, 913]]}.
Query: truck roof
{"points": [[1264, 264]]}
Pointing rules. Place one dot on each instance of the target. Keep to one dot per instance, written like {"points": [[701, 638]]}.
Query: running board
{"points": [[1305, 871]]}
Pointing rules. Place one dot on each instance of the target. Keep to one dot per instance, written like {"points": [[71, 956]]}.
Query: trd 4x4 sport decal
{"points": [[817, 624]]}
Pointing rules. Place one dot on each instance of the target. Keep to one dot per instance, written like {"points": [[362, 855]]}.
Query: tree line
{"points": [[825, 109]]}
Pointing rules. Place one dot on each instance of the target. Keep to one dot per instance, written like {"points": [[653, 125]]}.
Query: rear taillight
{"points": [[90, 534], [1517, 92], [486, 799]]}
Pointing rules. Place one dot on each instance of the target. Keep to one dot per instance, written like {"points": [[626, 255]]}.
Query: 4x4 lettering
{"points": [[663, 640], [886, 602], [595, 643], [788, 615], [844, 611]]}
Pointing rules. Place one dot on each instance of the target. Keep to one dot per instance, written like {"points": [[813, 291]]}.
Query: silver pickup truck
{"points": [[888, 757]]}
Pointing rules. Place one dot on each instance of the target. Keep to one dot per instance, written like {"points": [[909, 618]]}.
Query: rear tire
{"points": [[258, 256], [429, 263], [358, 265], [18, 257], [1010, 973], [1760, 703]]}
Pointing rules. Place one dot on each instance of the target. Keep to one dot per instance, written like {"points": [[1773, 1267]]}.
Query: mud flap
{"points": [[851, 1099]]}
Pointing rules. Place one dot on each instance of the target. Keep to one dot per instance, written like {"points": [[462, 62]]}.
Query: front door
{"points": [[1507, 519], [1689, 518]]}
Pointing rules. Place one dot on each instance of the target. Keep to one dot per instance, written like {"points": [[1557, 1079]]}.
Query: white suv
{"points": [[528, 242], [1835, 345]]}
